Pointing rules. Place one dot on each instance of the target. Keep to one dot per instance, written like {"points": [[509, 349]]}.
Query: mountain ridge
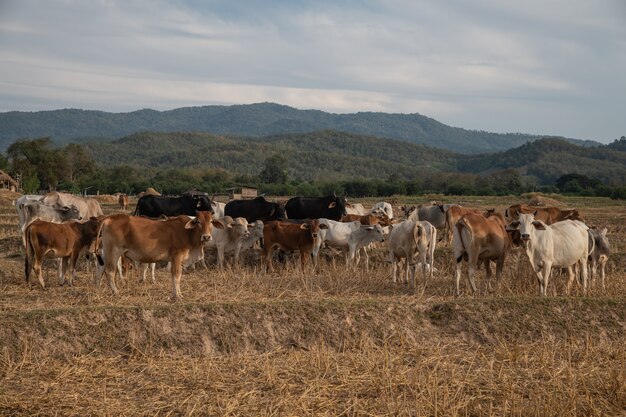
{"points": [[254, 120]]}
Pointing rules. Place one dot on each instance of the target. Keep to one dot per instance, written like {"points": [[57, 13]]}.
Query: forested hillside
{"points": [[257, 120], [332, 155], [326, 155]]}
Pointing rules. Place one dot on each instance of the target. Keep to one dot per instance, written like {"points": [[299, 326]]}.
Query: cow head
{"points": [[278, 210], [337, 205], [375, 233], [313, 226], [526, 224], [203, 203], [69, 212], [239, 228], [204, 222]]}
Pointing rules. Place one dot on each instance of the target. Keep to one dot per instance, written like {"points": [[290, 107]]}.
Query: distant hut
{"points": [[7, 182], [241, 193]]}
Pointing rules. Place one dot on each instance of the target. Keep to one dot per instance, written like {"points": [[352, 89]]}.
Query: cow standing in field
{"points": [[155, 206], [407, 240], [599, 255], [453, 215], [561, 245], [122, 200], [88, 207], [177, 239], [290, 237], [479, 239], [34, 210], [548, 215], [229, 238], [329, 207], [350, 238], [54, 240], [255, 209]]}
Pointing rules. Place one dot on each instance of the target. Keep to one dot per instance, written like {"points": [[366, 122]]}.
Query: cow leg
{"points": [[472, 267], [220, 256], [303, 256], [267, 258], [571, 275], [499, 268], [110, 269], [457, 274], [603, 271], [583, 272], [62, 269], [544, 276], [37, 268], [176, 274], [152, 266]]}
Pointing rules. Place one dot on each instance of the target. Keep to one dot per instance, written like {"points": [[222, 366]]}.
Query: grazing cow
{"points": [[435, 214], [88, 207], [255, 209], [329, 207], [453, 214], [349, 237], [478, 239], [407, 240], [548, 215], [65, 241], [560, 245], [356, 208], [155, 206], [176, 239], [122, 200], [229, 238], [33, 210], [290, 237], [599, 255]]}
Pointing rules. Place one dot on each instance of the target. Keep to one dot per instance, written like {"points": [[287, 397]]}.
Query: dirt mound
{"points": [[105, 198], [149, 191], [540, 200], [259, 327]]}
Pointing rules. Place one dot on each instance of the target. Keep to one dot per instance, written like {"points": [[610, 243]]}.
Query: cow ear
{"points": [[513, 225], [219, 224], [369, 227], [332, 205], [323, 226], [535, 213], [539, 225], [305, 226], [192, 223]]}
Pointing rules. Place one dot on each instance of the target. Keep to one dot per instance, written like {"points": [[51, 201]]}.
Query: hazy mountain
{"points": [[256, 120]]}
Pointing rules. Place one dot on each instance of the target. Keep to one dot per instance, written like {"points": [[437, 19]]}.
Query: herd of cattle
{"points": [[180, 229]]}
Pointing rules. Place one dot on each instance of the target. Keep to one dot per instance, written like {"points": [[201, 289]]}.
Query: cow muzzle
{"points": [[525, 238], [206, 238]]}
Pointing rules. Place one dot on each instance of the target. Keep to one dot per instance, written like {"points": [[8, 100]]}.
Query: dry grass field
{"points": [[328, 342]]}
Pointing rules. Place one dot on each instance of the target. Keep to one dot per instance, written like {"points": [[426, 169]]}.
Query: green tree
{"points": [[35, 157], [274, 170]]}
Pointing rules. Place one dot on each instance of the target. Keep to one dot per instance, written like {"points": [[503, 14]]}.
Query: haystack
{"points": [[539, 200]]}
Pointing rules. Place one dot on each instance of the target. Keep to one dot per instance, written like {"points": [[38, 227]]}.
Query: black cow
{"points": [[256, 209], [156, 206], [329, 207]]}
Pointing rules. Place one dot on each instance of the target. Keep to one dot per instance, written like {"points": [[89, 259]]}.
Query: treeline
{"points": [[41, 167]]}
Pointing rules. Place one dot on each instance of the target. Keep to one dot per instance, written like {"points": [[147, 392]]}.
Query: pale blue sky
{"points": [[533, 66]]}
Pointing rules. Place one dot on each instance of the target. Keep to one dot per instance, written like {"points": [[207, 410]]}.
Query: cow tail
{"points": [[592, 246], [460, 225], [96, 245], [30, 254]]}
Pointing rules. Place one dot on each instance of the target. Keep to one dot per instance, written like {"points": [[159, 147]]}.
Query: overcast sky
{"points": [[555, 67]]}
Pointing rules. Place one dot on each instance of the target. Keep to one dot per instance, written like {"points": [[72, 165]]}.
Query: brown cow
{"points": [[176, 239], [64, 240], [453, 214], [548, 215], [290, 237], [480, 239], [122, 199], [367, 219]]}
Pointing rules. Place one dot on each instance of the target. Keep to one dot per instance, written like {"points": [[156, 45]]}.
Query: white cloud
{"points": [[503, 66]]}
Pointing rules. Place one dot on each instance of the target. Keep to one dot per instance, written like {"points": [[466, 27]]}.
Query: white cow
{"points": [[560, 245], [218, 209], [88, 207], [382, 207], [336, 235], [356, 208], [19, 207], [360, 239], [409, 239], [229, 238]]}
